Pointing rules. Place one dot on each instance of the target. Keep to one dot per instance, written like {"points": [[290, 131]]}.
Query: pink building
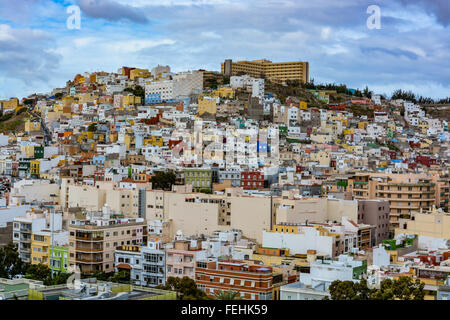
{"points": [[180, 261]]}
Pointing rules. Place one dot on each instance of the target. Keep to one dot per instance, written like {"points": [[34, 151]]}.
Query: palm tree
{"points": [[229, 295]]}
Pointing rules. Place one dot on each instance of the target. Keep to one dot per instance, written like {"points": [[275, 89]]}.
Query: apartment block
{"points": [[274, 71], [253, 282], [182, 258], [199, 178], [59, 258], [42, 244], [147, 264], [92, 242], [430, 225], [405, 192], [23, 228], [376, 213], [154, 263], [252, 180]]}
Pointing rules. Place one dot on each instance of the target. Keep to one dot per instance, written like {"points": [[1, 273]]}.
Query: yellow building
{"points": [[113, 137], [28, 151], [303, 105], [154, 141], [322, 157], [11, 104], [270, 260], [349, 131], [274, 71], [67, 101], [131, 100], [206, 104], [87, 135], [52, 115], [40, 248], [139, 73], [129, 140], [86, 97], [363, 125], [35, 167], [224, 92], [434, 223], [32, 126], [339, 117]]}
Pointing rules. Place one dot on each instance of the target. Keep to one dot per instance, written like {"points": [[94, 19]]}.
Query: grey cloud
{"points": [[25, 55], [393, 52], [439, 8], [112, 11], [17, 10]]}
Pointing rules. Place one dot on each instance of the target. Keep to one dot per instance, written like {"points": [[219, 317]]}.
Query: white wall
{"points": [[298, 243]]}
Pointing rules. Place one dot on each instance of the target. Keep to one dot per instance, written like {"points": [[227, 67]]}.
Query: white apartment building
{"points": [[23, 228], [249, 83]]}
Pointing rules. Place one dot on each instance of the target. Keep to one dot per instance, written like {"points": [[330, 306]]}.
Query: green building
{"points": [[199, 178], [24, 167], [38, 152], [59, 259]]}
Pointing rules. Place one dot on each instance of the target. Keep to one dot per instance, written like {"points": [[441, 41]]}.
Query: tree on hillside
{"points": [[137, 91], [405, 95], [28, 102], [59, 95], [92, 127], [404, 288], [225, 80], [40, 272], [367, 93], [10, 262], [349, 290], [59, 278], [163, 180], [121, 276], [185, 287], [227, 295]]}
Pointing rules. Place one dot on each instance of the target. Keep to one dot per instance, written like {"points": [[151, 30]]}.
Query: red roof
{"points": [[124, 266]]}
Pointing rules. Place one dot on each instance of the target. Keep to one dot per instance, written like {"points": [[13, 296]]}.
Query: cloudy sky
{"points": [[411, 50]]}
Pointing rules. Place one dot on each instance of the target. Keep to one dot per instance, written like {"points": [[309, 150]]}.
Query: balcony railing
{"points": [[90, 239], [87, 249], [87, 260]]}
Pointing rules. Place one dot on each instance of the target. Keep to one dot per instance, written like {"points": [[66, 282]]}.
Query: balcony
{"points": [[88, 260], [90, 239], [90, 268], [87, 249]]}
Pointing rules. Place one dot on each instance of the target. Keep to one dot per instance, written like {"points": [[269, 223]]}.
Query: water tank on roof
{"points": [[263, 269]]}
